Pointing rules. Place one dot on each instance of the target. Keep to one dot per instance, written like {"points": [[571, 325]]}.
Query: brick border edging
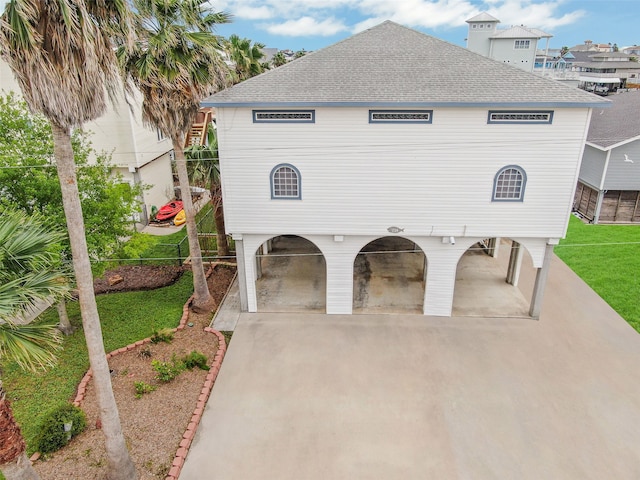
{"points": [[214, 369]]}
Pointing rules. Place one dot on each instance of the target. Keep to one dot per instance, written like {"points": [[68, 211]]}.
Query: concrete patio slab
{"points": [[311, 396]]}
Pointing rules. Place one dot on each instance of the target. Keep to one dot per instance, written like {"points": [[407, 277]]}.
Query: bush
{"points": [[167, 371], [195, 359], [52, 434], [142, 388], [163, 335]]}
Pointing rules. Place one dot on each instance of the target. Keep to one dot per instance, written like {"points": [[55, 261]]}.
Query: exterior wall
{"points": [[340, 253], [158, 176], [428, 179], [593, 166], [622, 175], [7, 81], [120, 131], [478, 39], [502, 49]]}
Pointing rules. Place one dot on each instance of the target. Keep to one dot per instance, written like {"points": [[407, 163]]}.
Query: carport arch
{"points": [[488, 279], [291, 273], [389, 275]]}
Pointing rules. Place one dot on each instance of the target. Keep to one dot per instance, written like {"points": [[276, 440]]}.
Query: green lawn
{"points": [[607, 257], [125, 318]]}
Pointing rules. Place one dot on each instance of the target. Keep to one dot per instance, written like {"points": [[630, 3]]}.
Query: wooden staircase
{"points": [[197, 135]]}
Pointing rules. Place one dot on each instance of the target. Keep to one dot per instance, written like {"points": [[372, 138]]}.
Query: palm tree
{"points": [[61, 54], [278, 59], [27, 274], [245, 56], [175, 63], [204, 169]]}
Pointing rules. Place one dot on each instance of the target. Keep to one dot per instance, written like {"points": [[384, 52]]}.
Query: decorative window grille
{"points": [[285, 182], [509, 183], [520, 117], [522, 44], [400, 116], [284, 116]]}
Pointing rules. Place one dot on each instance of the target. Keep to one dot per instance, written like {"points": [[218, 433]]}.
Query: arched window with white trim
{"points": [[285, 182], [509, 184]]}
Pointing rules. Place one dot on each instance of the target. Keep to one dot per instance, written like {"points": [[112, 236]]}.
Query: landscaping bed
{"points": [[153, 424], [131, 278]]}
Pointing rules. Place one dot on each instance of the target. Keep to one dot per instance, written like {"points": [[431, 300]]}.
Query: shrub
{"points": [[142, 388], [195, 359], [52, 434], [167, 371], [163, 335]]}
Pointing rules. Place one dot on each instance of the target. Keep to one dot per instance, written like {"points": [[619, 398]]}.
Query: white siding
{"points": [[503, 50], [430, 180], [592, 167], [621, 174]]}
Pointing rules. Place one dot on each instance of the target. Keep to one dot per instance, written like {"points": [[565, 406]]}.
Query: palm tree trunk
{"points": [[218, 216], [120, 465], [65, 325], [14, 463], [203, 301]]}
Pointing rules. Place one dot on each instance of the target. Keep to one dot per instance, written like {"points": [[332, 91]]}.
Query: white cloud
{"points": [[305, 17], [307, 26], [253, 13]]}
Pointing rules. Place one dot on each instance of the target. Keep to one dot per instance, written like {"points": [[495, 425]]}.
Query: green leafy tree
{"points": [[300, 53], [175, 62], [29, 181], [62, 56], [28, 273], [245, 56], [278, 59], [204, 171]]}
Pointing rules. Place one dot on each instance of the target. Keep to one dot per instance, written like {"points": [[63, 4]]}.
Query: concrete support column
{"points": [[492, 247], [441, 281], [339, 296], [242, 275], [540, 283], [515, 262], [259, 266]]}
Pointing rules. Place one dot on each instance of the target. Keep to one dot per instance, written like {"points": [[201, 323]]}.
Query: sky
{"points": [[313, 24]]}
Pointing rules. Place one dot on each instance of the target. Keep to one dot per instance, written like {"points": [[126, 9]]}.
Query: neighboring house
{"points": [[553, 63], [393, 133], [516, 46], [606, 71], [142, 155], [609, 181]]}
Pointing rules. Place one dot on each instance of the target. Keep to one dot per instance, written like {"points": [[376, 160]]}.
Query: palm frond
{"points": [[32, 346]]}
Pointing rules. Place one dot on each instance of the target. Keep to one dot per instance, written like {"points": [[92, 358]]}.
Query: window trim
{"points": [[522, 188], [549, 121], [522, 41], [273, 187], [255, 113], [373, 112]]}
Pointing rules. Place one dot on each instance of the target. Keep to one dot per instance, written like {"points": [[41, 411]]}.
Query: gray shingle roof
{"points": [[391, 65], [616, 124]]}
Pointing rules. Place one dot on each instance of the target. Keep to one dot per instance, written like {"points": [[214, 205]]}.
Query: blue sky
{"points": [[313, 24]]}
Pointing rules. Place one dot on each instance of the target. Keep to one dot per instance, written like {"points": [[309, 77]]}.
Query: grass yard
{"points": [[607, 257], [125, 318]]}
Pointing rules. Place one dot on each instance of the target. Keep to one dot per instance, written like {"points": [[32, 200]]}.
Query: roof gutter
{"points": [[225, 104]]}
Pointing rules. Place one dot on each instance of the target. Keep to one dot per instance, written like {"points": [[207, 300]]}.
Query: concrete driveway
{"points": [[311, 396]]}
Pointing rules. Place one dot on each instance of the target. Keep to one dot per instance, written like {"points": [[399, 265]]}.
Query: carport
{"points": [[389, 277]]}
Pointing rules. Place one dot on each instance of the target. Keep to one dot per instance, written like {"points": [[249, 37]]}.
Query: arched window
{"points": [[285, 182], [509, 183]]}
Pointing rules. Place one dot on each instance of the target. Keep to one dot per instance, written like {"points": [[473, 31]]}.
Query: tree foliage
{"points": [[246, 57], [29, 181]]}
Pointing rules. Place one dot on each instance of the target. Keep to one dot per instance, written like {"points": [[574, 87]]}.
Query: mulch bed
{"points": [[138, 277], [154, 424]]}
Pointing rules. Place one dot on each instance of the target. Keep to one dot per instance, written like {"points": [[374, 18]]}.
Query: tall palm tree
{"points": [[27, 274], [204, 170], [176, 62], [61, 54], [245, 56]]}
